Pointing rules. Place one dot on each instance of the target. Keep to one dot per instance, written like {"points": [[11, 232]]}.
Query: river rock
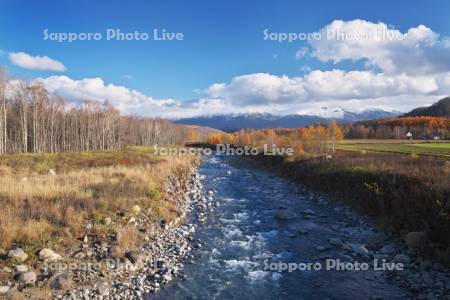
{"points": [[21, 268], [28, 277], [387, 250], [415, 239], [18, 254], [103, 289], [60, 281], [136, 209], [4, 289], [357, 248], [134, 256], [49, 255], [402, 258], [284, 214]]}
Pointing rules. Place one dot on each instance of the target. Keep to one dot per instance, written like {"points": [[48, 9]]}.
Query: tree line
{"points": [[397, 128], [32, 120], [313, 140]]}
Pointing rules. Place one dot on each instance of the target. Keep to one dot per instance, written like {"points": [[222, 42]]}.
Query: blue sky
{"points": [[222, 40]]}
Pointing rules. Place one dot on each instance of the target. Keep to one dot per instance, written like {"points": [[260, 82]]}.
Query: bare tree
{"points": [[41, 122]]}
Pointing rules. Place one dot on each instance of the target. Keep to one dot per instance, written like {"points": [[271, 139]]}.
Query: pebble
{"points": [[49, 255], [4, 289], [28, 277], [21, 268], [18, 254], [60, 281], [387, 249], [402, 258]]}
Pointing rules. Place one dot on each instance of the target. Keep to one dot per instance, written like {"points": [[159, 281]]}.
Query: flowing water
{"points": [[242, 241]]}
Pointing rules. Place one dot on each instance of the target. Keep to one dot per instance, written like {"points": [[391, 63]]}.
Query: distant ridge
{"points": [[232, 123], [438, 109]]}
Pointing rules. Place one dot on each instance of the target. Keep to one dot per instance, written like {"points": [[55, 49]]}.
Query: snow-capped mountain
{"points": [[235, 122], [347, 115]]}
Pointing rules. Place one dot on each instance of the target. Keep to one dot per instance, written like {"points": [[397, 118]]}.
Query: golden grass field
{"points": [[38, 209]]}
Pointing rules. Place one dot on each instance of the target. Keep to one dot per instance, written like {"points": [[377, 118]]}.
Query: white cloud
{"points": [[408, 72], [416, 51], [305, 69], [263, 88], [128, 76], [263, 92], [128, 101], [27, 61]]}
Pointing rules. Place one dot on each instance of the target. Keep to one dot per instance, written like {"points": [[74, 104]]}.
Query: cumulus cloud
{"points": [[263, 88], [263, 92], [128, 101], [405, 70], [27, 61], [419, 50]]}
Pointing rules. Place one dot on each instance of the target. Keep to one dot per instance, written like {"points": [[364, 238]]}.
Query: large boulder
{"points": [[415, 239], [18, 254], [49, 255]]}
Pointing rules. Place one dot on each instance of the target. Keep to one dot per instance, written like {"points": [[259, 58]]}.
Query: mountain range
{"points": [[235, 122]]}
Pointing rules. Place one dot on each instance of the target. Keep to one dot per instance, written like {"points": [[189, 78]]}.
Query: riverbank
{"points": [[77, 224], [265, 222], [405, 195]]}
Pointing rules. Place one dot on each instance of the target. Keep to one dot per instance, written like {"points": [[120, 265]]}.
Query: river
{"points": [[244, 245]]}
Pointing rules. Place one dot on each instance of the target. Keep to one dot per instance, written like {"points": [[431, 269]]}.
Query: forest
{"points": [[421, 127], [33, 121]]}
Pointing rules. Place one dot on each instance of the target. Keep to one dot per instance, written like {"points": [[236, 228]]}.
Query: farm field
{"points": [[424, 148]]}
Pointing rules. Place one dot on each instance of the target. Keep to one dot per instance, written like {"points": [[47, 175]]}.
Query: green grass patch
{"points": [[438, 149]]}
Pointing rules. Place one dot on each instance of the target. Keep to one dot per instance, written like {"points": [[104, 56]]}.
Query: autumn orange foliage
{"points": [[313, 140]]}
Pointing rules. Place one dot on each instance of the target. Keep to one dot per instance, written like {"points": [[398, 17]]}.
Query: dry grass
{"points": [[39, 209], [402, 192], [129, 239], [434, 171]]}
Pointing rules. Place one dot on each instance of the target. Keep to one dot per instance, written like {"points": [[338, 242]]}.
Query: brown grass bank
{"points": [[40, 210]]}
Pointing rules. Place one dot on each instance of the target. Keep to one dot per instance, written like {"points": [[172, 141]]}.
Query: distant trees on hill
{"points": [[32, 120], [314, 140], [397, 128]]}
